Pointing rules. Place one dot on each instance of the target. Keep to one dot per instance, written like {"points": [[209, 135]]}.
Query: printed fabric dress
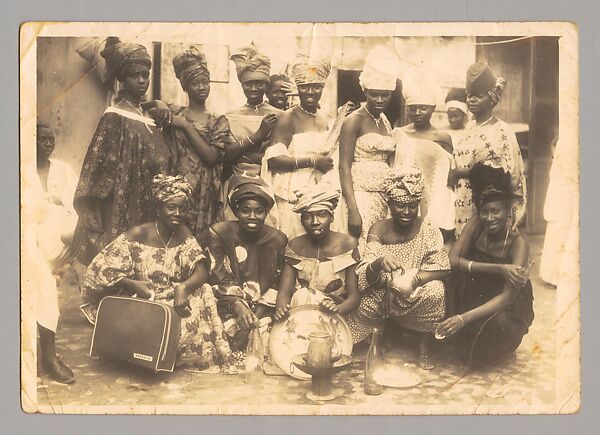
{"points": [[372, 154], [493, 143], [203, 342], [207, 196], [114, 190], [319, 280], [419, 313]]}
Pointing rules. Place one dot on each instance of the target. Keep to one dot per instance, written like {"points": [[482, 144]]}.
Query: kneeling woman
{"points": [[163, 260], [491, 261], [403, 264], [322, 261]]}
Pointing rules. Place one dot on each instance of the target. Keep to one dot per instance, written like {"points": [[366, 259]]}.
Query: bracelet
{"points": [[462, 321], [418, 280], [296, 163], [370, 266], [469, 266], [313, 161], [241, 143], [250, 140]]}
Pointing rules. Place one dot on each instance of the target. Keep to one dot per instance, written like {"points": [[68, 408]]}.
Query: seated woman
{"points": [[322, 261], [162, 260], [491, 261], [403, 266], [247, 258]]}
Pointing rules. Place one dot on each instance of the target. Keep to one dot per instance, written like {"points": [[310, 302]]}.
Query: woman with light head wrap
{"points": [[162, 260], [251, 125], [404, 263], [457, 112], [127, 150], [422, 145], [489, 140], [366, 147], [322, 261]]}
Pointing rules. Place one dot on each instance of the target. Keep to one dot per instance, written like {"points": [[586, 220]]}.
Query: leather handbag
{"points": [[138, 331]]}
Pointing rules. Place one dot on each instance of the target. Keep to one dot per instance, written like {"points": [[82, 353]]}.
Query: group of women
{"points": [[240, 217]]}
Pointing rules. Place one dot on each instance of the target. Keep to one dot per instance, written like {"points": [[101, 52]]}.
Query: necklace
{"points": [[255, 107], [160, 237], [314, 115], [487, 120], [503, 246], [377, 120], [137, 109]]}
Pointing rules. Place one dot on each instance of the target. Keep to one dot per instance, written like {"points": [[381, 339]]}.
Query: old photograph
{"points": [[299, 218]]}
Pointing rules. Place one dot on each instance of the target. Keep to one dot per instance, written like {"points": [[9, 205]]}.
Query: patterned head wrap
{"points": [[481, 80], [307, 70], [189, 65], [166, 187], [251, 65], [403, 185], [246, 186], [380, 70], [125, 58], [323, 196]]}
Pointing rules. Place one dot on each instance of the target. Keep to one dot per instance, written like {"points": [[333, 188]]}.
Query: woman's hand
{"points": [[142, 289], [329, 305], [351, 107], [179, 122], [403, 283], [323, 163], [386, 303], [181, 302], [161, 113], [390, 263], [266, 125], [354, 222], [281, 312], [514, 275], [245, 317], [451, 326]]}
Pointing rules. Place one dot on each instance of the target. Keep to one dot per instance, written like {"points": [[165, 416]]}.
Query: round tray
{"points": [[289, 337]]}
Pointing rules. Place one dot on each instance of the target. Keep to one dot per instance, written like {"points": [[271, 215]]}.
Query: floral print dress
{"points": [[202, 341]]}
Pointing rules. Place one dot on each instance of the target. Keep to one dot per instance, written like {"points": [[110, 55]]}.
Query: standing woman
{"points": [[486, 139], [457, 113], [114, 190], [491, 260], [299, 144], [252, 123], [199, 139], [366, 147]]}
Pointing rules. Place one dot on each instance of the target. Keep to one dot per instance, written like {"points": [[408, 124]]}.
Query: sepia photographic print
{"points": [[299, 218]]}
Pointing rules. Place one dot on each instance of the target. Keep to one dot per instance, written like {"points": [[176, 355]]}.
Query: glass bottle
{"points": [[374, 365], [254, 357]]}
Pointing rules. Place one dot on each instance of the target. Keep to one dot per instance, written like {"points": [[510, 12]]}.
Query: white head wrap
{"points": [[454, 104], [381, 69], [419, 93]]}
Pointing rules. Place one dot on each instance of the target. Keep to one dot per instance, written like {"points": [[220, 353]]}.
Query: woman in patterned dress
{"points": [[403, 265], [322, 261], [486, 139], [162, 260]]}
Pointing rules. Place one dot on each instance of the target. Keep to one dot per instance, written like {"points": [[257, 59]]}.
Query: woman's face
{"points": [[44, 142], [420, 114], [251, 214], [456, 118], [276, 95], [479, 104], [172, 212], [494, 215], [404, 214], [316, 223], [136, 84], [310, 94], [198, 89], [254, 90], [377, 99]]}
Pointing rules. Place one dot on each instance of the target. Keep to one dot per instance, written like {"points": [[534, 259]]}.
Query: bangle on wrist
{"points": [[250, 140], [418, 282], [313, 161], [462, 321], [469, 266]]}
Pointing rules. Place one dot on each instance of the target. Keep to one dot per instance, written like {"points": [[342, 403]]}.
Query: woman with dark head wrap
{"points": [[486, 139], [246, 257], [403, 266], [322, 261], [162, 260], [127, 150], [199, 139], [251, 124], [491, 262]]}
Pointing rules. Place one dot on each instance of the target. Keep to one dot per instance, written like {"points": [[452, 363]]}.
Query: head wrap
{"points": [[166, 187], [381, 70], [323, 196], [247, 186], [403, 185], [419, 93], [125, 58], [307, 70], [457, 99], [481, 80], [189, 65], [489, 183], [251, 65]]}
